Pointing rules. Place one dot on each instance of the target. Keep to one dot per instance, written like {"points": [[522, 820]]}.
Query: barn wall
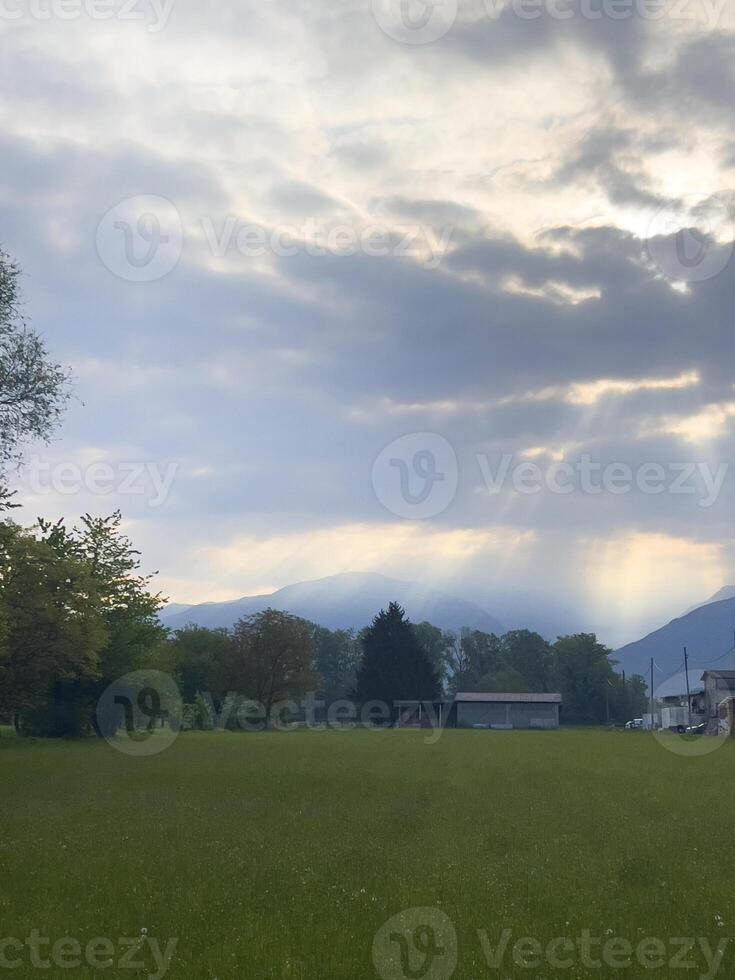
{"points": [[517, 714]]}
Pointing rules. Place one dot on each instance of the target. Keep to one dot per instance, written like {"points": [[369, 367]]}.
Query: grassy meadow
{"points": [[280, 855]]}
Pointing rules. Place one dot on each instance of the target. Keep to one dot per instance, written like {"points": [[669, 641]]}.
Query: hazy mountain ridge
{"points": [[726, 592], [350, 600], [706, 632]]}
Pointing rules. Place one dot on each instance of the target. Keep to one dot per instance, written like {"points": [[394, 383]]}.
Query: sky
{"points": [[443, 292]]}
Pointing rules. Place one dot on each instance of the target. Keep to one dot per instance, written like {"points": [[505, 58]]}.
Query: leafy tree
{"points": [[459, 665], [123, 596], [272, 657], [506, 679], [52, 631], [478, 658], [582, 673], [198, 658], [628, 698], [439, 645], [528, 654], [120, 599], [395, 666], [33, 390], [336, 656]]}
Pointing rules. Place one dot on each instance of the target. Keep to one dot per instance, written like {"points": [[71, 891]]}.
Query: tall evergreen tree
{"points": [[395, 666]]}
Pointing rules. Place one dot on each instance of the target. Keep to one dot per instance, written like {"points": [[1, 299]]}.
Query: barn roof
{"points": [[516, 698]]}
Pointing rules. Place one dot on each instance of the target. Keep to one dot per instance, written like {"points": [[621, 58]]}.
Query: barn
{"points": [[480, 709], [496, 710]]}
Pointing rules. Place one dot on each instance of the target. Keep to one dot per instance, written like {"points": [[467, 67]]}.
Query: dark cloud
{"points": [[598, 158]]}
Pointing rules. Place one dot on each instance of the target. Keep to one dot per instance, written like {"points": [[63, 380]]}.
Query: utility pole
{"points": [[651, 706], [689, 697]]}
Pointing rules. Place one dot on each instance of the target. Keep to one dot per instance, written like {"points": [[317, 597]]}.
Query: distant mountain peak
{"points": [[726, 592], [707, 633], [345, 600]]}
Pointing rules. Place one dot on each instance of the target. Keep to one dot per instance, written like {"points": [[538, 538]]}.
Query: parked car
{"points": [[634, 723], [696, 729]]}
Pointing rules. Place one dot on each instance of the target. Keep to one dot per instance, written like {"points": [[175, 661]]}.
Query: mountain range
{"points": [[350, 600], [707, 631]]}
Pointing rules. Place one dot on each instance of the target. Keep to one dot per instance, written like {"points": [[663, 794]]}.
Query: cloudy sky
{"points": [[274, 238]]}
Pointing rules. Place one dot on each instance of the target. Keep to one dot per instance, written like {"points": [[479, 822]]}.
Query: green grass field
{"points": [[280, 855]]}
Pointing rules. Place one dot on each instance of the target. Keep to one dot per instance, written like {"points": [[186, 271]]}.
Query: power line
{"points": [[702, 663]]}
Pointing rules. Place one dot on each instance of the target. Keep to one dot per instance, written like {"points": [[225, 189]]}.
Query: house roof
{"points": [[728, 676], [516, 698]]}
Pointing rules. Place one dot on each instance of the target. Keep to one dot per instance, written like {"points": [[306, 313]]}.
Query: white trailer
{"points": [[675, 719]]}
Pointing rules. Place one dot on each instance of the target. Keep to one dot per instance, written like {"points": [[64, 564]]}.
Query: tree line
{"points": [[272, 656], [76, 617]]}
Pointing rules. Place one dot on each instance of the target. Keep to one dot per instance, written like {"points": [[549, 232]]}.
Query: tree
{"points": [[582, 673], [336, 656], [119, 598], [127, 603], [33, 390], [529, 655], [458, 665], [395, 666], [439, 645], [628, 698], [199, 659], [476, 660], [506, 679], [273, 656], [52, 632]]}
